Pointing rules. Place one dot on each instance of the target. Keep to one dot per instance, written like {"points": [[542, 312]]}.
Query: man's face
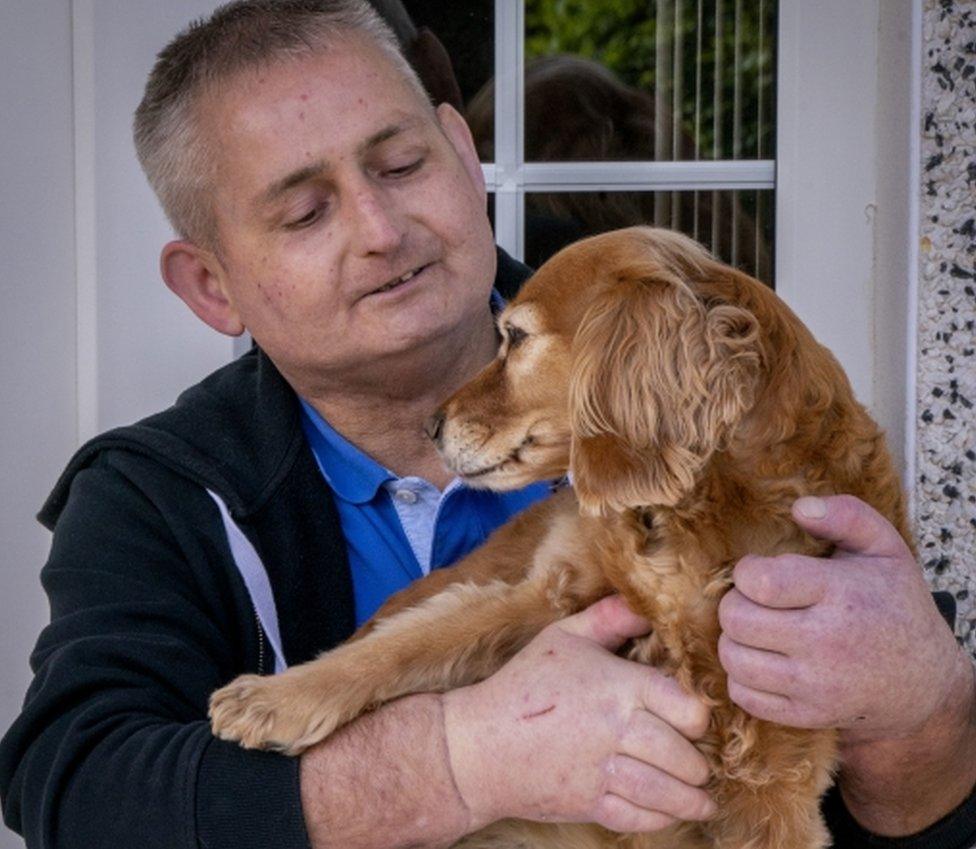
{"points": [[335, 184]]}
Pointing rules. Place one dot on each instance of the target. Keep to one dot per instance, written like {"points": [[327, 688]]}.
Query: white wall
{"points": [[70, 76], [843, 196], [37, 311], [148, 346], [825, 187]]}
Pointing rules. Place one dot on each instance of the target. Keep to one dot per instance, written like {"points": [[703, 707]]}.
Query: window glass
{"points": [[735, 226], [466, 31], [643, 80]]}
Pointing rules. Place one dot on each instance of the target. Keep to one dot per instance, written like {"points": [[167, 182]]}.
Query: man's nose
{"points": [[378, 224]]}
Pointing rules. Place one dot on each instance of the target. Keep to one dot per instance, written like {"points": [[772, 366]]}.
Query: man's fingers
{"points": [[758, 669], [787, 581], [665, 698], [762, 705], [617, 814], [849, 523], [761, 626], [654, 790], [608, 622], [652, 741], [796, 581]]}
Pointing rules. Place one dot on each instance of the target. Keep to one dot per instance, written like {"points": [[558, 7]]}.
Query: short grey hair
{"points": [[243, 35]]}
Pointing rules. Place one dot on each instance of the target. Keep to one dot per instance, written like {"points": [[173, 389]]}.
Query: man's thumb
{"points": [[609, 622], [849, 523]]}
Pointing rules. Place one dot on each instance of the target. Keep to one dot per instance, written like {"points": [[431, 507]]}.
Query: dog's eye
{"points": [[516, 335]]}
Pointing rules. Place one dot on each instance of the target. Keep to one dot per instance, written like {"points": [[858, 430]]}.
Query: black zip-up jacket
{"points": [[149, 615]]}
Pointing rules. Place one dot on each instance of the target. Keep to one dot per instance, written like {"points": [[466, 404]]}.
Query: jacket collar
{"points": [[236, 432]]}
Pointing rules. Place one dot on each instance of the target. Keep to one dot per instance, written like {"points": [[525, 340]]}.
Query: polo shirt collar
{"points": [[353, 475]]}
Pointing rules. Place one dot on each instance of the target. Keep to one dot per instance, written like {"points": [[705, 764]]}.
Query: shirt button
{"points": [[406, 496]]}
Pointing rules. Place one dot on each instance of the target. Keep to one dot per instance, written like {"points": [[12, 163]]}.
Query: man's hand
{"points": [[855, 642], [566, 731]]}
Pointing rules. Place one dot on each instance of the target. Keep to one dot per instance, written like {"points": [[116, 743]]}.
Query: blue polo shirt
{"points": [[398, 529]]}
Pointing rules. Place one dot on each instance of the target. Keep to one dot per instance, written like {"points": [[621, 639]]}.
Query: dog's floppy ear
{"points": [[658, 380]]}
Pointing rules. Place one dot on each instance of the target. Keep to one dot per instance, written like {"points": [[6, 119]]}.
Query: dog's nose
{"points": [[434, 425]]}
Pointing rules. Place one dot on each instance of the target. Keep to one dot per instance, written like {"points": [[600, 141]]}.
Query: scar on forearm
{"points": [[542, 712]]}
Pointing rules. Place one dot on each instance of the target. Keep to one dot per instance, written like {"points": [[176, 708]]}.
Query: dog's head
{"points": [[628, 359]]}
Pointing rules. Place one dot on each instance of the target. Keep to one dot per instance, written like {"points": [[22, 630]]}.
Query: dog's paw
{"points": [[266, 712]]}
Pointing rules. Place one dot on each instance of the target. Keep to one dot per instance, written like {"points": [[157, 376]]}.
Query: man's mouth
{"points": [[399, 281]]}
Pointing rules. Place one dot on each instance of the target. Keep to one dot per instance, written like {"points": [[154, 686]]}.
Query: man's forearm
{"points": [[384, 781], [899, 787]]}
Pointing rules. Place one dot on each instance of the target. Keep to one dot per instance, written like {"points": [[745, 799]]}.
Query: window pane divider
{"points": [[724, 175], [509, 126]]}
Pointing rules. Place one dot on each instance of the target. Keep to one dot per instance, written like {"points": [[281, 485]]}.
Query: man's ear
{"points": [[197, 277], [459, 135]]}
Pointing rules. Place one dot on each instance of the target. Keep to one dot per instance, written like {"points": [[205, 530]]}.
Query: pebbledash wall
{"points": [[945, 486]]}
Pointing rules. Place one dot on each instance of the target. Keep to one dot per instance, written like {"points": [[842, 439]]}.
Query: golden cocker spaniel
{"points": [[691, 408]]}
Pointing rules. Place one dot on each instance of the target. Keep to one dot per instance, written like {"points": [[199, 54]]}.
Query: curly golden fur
{"points": [[692, 408]]}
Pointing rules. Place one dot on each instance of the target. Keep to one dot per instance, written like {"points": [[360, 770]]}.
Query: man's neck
{"points": [[384, 413], [390, 432]]}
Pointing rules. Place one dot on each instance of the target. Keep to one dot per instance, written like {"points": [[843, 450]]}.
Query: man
{"points": [[325, 206]]}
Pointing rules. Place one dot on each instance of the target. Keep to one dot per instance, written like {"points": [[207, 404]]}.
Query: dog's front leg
{"points": [[457, 637]]}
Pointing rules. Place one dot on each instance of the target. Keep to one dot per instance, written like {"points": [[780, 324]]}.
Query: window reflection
{"points": [[705, 67], [467, 33]]}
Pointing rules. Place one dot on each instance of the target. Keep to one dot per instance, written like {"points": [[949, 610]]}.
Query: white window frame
{"points": [[847, 192]]}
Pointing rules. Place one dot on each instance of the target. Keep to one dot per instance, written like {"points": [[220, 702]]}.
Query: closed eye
{"points": [[405, 170], [306, 220]]}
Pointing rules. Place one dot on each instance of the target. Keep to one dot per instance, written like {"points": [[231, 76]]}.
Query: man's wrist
{"points": [[384, 781], [899, 786], [469, 760]]}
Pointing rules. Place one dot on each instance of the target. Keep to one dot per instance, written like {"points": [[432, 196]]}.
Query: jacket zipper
{"points": [[257, 621]]}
